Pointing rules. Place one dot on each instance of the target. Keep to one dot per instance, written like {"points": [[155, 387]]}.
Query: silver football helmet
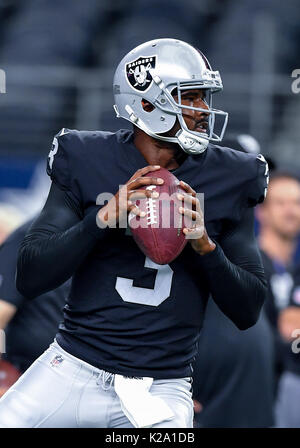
{"points": [[151, 72]]}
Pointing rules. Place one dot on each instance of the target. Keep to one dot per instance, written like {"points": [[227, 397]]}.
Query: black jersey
{"points": [[126, 314]]}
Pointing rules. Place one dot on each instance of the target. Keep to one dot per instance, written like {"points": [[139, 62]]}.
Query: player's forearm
{"points": [[48, 258], [239, 294]]}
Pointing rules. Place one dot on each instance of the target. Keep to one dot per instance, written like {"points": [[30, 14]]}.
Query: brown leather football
{"points": [[159, 234]]}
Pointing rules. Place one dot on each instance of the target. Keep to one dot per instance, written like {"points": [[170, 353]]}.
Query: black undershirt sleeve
{"points": [[236, 275], [55, 245], [8, 261]]}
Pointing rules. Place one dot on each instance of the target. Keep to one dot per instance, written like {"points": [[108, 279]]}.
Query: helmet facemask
{"points": [[191, 142]]}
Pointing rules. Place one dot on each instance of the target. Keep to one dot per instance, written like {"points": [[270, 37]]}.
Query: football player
{"points": [[122, 357]]}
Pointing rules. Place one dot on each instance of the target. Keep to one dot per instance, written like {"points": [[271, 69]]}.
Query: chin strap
{"points": [[190, 143]]}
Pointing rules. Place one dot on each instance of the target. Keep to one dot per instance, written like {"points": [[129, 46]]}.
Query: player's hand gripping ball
{"points": [[158, 229]]}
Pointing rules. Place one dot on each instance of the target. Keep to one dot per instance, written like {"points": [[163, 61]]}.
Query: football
{"points": [[159, 234]]}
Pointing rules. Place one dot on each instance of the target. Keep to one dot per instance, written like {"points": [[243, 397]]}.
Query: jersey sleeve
{"points": [[57, 162], [258, 185], [8, 262], [62, 163]]}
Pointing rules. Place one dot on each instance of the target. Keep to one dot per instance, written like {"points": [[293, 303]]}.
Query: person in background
{"points": [[30, 326], [288, 399], [233, 374], [279, 220]]}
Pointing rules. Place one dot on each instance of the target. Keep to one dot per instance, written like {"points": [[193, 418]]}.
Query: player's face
{"points": [[195, 120], [282, 207]]}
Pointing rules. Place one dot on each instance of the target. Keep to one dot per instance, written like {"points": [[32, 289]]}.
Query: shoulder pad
{"points": [[57, 162], [247, 174], [258, 186], [71, 155]]}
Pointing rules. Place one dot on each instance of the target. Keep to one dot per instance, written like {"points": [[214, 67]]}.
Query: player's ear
{"points": [[147, 106]]}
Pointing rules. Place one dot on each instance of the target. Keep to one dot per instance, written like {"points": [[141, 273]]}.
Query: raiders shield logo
{"points": [[138, 74]]}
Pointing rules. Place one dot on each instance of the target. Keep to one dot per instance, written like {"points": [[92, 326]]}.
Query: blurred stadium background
{"points": [[59, 58]]}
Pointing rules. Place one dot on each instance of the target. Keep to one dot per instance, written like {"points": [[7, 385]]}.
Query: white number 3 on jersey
{"points": [[146, 296]]}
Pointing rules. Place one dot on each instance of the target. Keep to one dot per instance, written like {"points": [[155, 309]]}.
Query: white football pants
{"points": [[61, 391]]}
